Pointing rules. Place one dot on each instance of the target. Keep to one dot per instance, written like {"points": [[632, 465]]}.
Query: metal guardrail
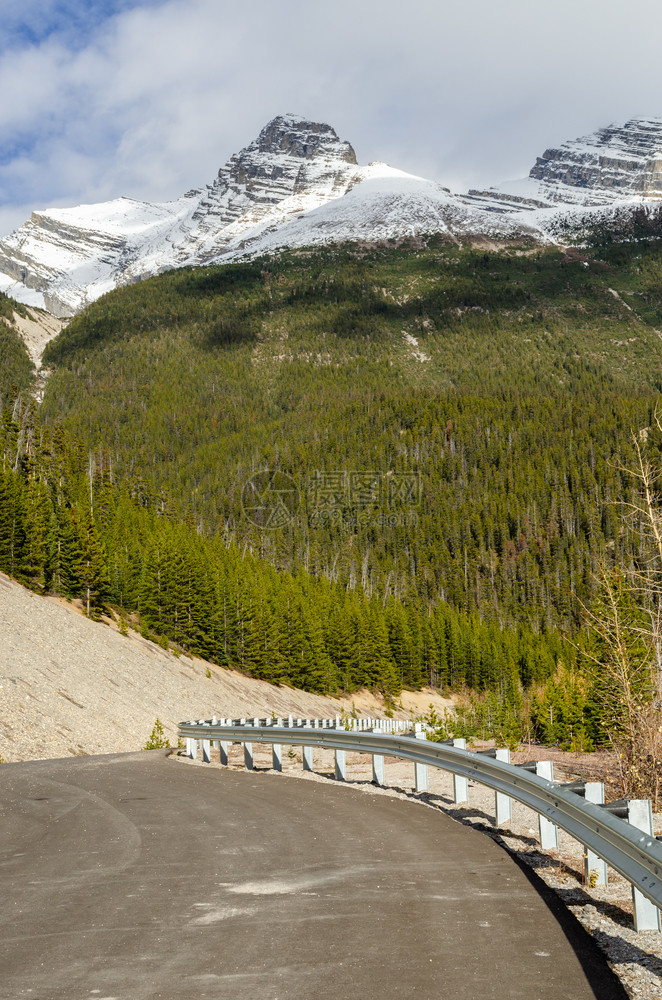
{"points": [[632, 852]]}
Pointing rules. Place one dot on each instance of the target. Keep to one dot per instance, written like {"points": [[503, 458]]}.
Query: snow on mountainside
{"points": [[64, 258], [299, 184], [387, 204]]}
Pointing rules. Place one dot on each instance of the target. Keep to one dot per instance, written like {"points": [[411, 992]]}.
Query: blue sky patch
{"points": [[32, 22]]}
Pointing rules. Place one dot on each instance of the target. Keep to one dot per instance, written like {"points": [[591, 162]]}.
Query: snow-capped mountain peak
{"points": [[63, 258], [299, 137], [298, 183]]}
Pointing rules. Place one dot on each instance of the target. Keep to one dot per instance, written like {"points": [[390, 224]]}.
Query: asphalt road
{"points": [[135, 877]]}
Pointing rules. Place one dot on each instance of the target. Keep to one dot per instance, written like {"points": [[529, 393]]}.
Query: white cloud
{"points": [[156, 97]]}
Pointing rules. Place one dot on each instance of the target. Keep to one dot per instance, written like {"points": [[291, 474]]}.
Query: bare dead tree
{"points": [[627, 619]]}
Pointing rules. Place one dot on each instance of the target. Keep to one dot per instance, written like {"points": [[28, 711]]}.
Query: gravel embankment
{"points": [[72, 686]]}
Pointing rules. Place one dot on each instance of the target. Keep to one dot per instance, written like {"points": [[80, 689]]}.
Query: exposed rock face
{"points": [[303, 139], [36, 329], [289, 157], [619, 161]]}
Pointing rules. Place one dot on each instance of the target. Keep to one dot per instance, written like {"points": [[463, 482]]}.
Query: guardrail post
{"points": [[460, 783], [595, 869], [646, 914], [205, 746], [377, 765], [192, 744], [223, 745], [340, 765], [307, 758], [248, 751], [549, 834], [277, 751], [503, 803], [420, 770]]}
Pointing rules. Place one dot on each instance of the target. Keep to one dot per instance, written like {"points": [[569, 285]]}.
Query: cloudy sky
{"points": [[148, 98]]}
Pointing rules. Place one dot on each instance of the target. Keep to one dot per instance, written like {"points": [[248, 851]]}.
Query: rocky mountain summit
{"points": [[614, 164], [299, 184], [291, 158], [63, 258]]}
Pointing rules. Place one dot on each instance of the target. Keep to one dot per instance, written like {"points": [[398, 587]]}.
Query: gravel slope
{"points": [[72, 686]]}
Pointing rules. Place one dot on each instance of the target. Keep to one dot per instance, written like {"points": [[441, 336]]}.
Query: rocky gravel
{"points": [[71, 686]]}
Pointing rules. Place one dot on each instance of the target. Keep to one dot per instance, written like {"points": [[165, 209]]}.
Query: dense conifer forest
{"points": [[16, 368], [453, 423]]}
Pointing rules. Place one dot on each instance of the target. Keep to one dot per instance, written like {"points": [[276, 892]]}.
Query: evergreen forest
{"points": [[360, 466]]}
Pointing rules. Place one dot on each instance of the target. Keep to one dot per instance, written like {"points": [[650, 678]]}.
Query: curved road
{"points": [[138, 878]]}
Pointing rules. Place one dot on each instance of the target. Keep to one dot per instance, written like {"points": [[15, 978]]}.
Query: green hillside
{"points": [[16, 368], [446, 426], [524, 380]]}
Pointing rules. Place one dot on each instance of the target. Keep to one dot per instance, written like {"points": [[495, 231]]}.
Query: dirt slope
{"points": [[36, 330], [72, 686]]}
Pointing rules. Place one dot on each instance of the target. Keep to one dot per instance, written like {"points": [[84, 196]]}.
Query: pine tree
{"points": [[157, 738], [92, 571], [34, 568], [12, 523], [68, 553]]}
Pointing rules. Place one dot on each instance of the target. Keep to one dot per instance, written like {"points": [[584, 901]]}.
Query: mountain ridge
{"points": [[299, 184]]}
